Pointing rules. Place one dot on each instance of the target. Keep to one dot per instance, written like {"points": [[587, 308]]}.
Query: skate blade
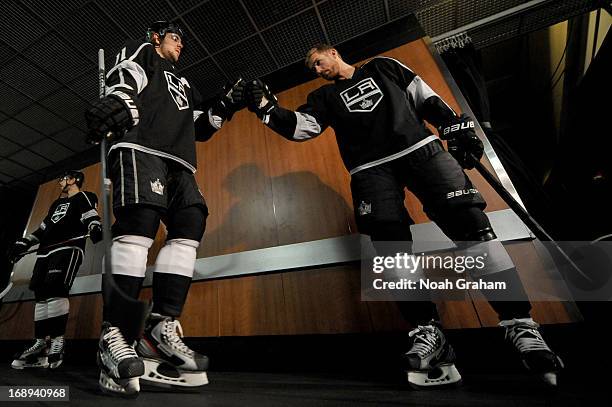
{"points": [[130, 389], [444, 375], [162, 374], [55, 365], [19, 365]]}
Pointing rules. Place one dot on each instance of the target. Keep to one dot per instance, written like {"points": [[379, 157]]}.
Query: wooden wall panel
{"points": [[326, 300], [252, 306]]}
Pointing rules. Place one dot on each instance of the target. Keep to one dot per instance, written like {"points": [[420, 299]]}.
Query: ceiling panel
{"points": [[8, 147], [20, 27], [19, 133], [14, 169], [61, 65], [54, 12], [345, 19], [268, 12], [72, 138], [51, 149], [67, 105], [34, 161], [219, 23], [21, 74], [233, 62], [88, 28], [290, 40], [41, 120], [12, 100]]}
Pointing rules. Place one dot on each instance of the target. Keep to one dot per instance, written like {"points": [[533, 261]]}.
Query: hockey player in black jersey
{"points": [[61, 237], [377, 112], [155, 117]]}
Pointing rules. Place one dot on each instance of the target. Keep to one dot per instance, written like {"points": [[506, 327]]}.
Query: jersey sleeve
{"points": [[307, 122], [205, 118], [88, 208], [134, 64], [42, 228], [428, 104]]}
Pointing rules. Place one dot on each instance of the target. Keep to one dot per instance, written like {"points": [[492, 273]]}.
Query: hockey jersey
{"points": [[377, 114], [163, 105], [68, 217]]}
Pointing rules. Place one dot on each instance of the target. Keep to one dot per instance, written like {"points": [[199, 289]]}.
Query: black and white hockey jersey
{"points": [[377, 114], [163, 105], [68, 217]]}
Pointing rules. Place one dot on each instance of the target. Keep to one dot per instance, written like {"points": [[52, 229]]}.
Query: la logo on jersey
{"points": [[60, 212], [362, 97], [176, 87]]}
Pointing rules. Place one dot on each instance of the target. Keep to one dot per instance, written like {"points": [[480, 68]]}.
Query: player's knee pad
{"points": [[177, 257], [138, 220], [187, 223], [129, 255]]}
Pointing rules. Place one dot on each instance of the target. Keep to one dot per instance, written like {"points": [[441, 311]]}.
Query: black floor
{"points": [[345, 370], [293, 389]]}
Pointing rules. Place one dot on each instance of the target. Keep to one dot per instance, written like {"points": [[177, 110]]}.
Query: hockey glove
{"points": [[95, 232], [20, 247], [232, 99], [259, 98], [463, 143], [108, 117]]}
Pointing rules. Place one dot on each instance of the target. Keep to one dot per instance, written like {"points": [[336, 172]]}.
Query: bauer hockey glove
{"points": [[108, 117], [259, 98], [95, 232], [463, 143], [20, 247], [232, 99]]}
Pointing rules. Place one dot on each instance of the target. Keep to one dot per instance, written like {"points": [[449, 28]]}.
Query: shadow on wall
{"points": [[303, 208]]}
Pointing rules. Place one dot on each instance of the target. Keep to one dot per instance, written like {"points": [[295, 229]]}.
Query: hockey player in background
{"points": [[155, 116], [61, 237], [377, 112]]}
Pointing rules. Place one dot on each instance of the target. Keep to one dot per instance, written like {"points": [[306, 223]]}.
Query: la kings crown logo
{"points": [[176, 87], [362, 97], [60, 212]]}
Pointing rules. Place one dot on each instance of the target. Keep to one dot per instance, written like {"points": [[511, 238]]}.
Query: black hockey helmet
{"points": [[164, 27], [77, 175]]}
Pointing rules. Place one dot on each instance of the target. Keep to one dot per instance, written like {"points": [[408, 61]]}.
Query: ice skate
{"points": [[34, 356], [431, 360], [524, 336], [120, 366], [56, 353], [168, 361]]}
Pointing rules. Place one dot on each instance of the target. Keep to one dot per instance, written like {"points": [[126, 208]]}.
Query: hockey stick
{"points": [[527, 219], [51, 246], [135, 311]]}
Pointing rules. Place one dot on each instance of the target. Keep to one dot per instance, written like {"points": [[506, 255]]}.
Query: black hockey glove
{"points": [[259, 98], [108, 117], [463, 143], [232, 99], [20, 247], [95, 232]]}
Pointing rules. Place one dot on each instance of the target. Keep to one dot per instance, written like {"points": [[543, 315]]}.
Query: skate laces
{"points": [[170, 329], [39, 344], [425, 341], [526, 337], [118, 346], [57, 344]]}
